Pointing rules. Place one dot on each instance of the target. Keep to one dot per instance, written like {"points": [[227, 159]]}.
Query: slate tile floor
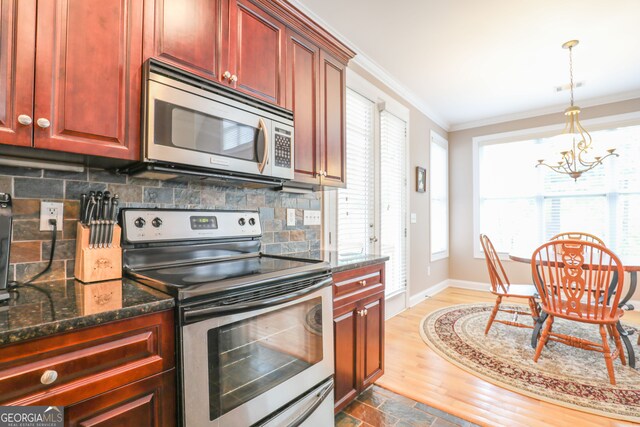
{"points": [[377, 407]]}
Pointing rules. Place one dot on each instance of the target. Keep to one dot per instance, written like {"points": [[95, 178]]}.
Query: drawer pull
{"points": [[49, 377], [363, 282]]}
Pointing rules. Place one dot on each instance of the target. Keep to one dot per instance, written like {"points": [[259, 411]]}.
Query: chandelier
{"points": [[575, 161]]}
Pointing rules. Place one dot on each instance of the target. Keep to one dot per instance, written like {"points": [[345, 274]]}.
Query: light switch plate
{"points": [[50, 210], [291, 217], [414, 218], [312, 217]]}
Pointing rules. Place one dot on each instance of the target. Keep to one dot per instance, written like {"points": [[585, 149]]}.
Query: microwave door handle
{"points": [[263, 137]]}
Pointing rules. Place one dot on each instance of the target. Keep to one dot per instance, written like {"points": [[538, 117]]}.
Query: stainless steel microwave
{"points": [[197, 127]]}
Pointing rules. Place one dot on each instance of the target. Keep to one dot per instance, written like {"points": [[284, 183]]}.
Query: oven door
{"points": [[240, 368], [190, 129]]}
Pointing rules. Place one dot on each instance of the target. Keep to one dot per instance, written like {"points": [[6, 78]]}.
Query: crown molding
{"points": [[546, 110], [378, 71]]}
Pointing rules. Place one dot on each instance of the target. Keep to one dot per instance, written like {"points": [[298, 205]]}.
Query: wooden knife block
{"points": [[97, 264]]}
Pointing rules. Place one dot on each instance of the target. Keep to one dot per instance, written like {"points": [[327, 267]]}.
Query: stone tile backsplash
{"points": [[30, 247]]}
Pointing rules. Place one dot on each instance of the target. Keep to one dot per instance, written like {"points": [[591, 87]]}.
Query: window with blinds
{"points": [[356, 203], [439, 191], [393, 203], [520, 203]]}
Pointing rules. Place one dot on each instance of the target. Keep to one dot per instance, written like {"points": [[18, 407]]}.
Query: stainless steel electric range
{"points": [[255, 338]]}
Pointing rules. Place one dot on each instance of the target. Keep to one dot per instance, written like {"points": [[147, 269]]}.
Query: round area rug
{"points": [[564, 375]]}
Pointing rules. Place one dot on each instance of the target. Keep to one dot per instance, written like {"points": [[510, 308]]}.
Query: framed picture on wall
{"points": [[421, 179]]}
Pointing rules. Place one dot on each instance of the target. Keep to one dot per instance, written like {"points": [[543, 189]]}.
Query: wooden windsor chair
{"points": [[573, 278], [578, 235], [503, 288]]}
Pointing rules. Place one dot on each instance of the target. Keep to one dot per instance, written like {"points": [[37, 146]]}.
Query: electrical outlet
{"points": [[291, 217], [312, 217], [50, 210]]}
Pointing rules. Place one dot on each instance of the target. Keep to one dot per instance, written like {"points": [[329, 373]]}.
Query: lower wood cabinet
{"points": [[148, 402], [358, 322], [117, 373]]}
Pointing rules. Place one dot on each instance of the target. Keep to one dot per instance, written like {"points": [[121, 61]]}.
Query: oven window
{"points": [[185, 128], [249, 357]]}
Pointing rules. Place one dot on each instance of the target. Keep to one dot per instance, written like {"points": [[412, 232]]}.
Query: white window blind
{"points": [[356, 202], [393, 203], [519, 203], [439, 190]]}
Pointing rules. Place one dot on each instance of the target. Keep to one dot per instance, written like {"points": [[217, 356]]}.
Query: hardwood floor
{"points": [[412, 369]]}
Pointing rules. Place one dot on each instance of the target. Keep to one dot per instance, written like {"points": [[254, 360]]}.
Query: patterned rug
{"points": [[564, 375]]}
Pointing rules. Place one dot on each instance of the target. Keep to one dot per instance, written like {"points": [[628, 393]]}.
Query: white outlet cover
{"points": [[291, 217], [50, 210], [312, 217]]}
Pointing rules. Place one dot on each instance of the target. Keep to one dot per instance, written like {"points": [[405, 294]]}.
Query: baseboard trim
{"points": [[466, 284], [429, 292]]}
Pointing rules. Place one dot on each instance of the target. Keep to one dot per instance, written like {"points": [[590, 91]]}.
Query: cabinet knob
{"points": [[43, 123], [23, 119], [365, 311], [363, 282], [226, 75], [48, 377], [233, 78]]}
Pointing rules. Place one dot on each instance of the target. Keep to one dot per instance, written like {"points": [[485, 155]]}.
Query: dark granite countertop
{"points": [[58, 306], [341, 262]]}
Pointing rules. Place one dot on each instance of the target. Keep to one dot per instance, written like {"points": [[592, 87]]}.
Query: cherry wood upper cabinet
{"points": [[333, 115], [187, 34], [256, 54], [88, 77], [17, 45], [303, 59]]}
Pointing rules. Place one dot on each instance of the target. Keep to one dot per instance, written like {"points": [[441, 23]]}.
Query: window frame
{"points": [[596, 124], [363, 87], [438, 139]]}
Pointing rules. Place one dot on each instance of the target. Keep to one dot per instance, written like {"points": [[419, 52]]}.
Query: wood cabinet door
{"points": [[187, 34], [17, 55], [345, 332], [150, 402], [88, 77], [256, 52], [372, 357], [303, 66], [332, 117]]}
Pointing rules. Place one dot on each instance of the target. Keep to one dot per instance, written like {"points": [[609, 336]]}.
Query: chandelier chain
{"points": [[571, 71]]}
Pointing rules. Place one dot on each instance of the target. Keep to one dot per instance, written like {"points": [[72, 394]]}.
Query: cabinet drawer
{"points": [[86, 362], [352, 285]]}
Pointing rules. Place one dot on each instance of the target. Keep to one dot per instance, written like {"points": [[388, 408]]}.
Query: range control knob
{"points": [[252, 221], [139, 222], [157, 222], [242, 221]]}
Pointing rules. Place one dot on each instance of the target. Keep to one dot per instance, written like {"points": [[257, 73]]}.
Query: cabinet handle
{"points": [[226, 75], [363, 282], [43, 123], [23, 119], [48, 377], [233, 78]]}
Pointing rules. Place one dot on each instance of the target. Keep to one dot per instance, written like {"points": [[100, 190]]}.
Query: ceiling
{"points": [[466, 63]]}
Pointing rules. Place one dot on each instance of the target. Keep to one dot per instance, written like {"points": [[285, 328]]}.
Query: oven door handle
{"points": [[191, 316]]}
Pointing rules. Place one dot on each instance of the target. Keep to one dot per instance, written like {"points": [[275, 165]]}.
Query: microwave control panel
{"points": [[282, 148]]}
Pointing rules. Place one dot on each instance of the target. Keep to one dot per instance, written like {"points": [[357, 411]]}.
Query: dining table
{"points": [[631, 265]]}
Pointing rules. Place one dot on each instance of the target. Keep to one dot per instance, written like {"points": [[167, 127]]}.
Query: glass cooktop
{"points": [[214, 271]]}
